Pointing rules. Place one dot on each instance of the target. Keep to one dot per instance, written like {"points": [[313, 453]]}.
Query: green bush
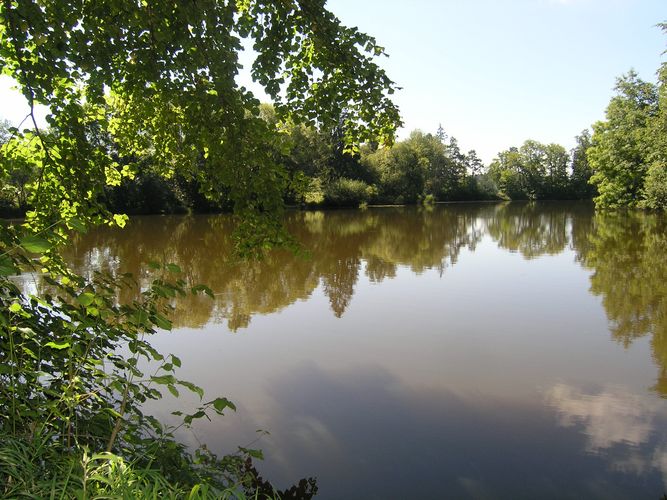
{"points": [[348, 193], [655, 187]]}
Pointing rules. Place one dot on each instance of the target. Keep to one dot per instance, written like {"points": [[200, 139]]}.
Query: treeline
{"points": [[423, 168], [537, 171]]}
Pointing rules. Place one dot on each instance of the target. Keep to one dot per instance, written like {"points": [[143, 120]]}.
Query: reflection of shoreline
{"points": [[615, 417], [337, 241], [625, 251]]}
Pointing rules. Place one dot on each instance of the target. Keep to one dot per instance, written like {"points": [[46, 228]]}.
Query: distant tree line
{"points": [[537, 171]]}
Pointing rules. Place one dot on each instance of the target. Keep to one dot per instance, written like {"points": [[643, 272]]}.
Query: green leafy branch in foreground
{"points": [[67, 384], [76, 368]]}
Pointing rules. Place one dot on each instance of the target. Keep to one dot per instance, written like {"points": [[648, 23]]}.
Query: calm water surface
{"points": [[468, 351]]}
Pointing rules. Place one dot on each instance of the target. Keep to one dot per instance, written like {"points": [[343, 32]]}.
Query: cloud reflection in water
{"points": [[618, 419]]}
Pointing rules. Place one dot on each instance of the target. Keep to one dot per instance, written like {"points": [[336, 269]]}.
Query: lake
{"points": [[460, 351]]}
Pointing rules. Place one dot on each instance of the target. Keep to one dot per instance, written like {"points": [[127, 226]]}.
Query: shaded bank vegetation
{"points": [[321, 171], [343, 245]]}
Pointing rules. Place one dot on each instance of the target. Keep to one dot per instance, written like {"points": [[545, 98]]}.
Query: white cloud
{"points": [[615, 416]]}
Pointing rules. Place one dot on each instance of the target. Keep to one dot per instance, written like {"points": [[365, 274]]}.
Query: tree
{"points": [[534, 171], [400, 172], [655, 183], [440, 134], [621, 144], [474, 164], [580, 185], [506, 171], [556, 162], [161, 78]]}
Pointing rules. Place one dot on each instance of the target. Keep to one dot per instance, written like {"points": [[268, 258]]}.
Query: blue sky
{"points": [[498, 72]]}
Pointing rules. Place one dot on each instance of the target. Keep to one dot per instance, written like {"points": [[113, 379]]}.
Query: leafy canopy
{"points": [[161, 77]]}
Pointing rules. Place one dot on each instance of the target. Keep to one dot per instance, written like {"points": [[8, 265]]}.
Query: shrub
{"points": [[348, 193], [655, 187]]}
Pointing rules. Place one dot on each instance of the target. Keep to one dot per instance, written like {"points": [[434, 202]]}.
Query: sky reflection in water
{"points": [[481, 351]]}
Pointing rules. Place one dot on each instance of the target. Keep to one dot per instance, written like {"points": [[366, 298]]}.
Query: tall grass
{"points": [[35, 470]]}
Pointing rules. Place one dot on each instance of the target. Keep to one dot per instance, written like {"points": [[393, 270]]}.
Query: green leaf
{"points": [[164, 379], [173, 390], [113, 412], [253, 453], [15, 307], [29, 352], [164, 291], [85, 299], [161, 322], [154, 265], [35, 244], [192, 387], [140, 317], [221, 403], [77, 225], [173, 268], [202, 288], [120, 219], [7, 267], [59, 347]]}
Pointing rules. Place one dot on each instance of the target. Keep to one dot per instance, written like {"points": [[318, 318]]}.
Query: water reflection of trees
{"points": [[627, 253], [338, 242], [533, 229]]}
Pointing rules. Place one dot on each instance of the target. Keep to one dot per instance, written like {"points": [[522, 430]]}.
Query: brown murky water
{"points": [[468, 351]]}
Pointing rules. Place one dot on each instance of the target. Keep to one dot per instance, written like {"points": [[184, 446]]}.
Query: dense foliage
{"points": [[629, 148], [145, 90], [319, 171], [538, 171]]}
